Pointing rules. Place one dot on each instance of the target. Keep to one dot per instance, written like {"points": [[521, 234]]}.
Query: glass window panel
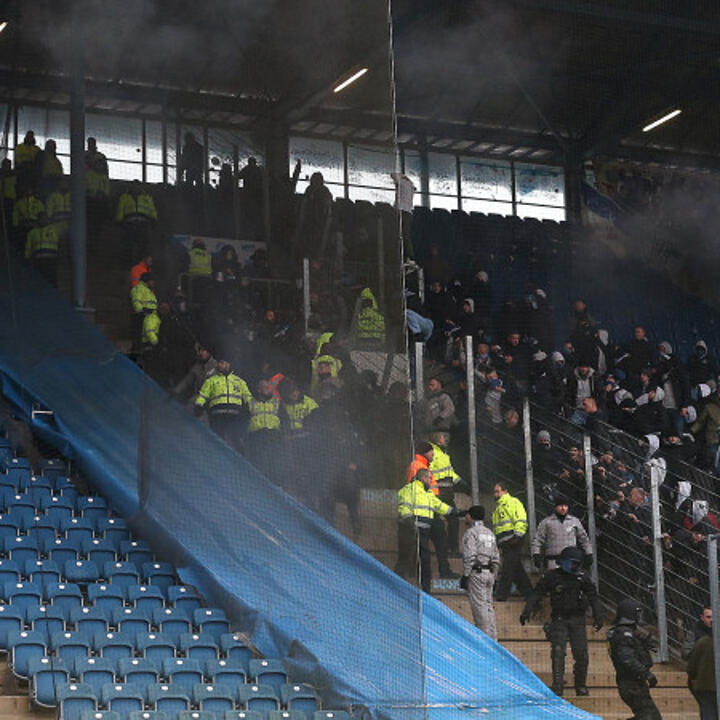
{"points": [[539, 184], [444, 201], [153, 141], [443, 176], [325, 156], [486, 206], [371, 194], [119, 138], [171, 174], [154, 173], [370, 166], [124, 170], [541, 212], [412, 170], [485, 179], [171, 142]]}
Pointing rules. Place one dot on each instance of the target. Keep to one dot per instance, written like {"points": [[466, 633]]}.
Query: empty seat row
{"points": [[228, 715], [58, 521]]}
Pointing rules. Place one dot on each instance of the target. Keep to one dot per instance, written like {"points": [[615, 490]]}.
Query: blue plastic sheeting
{"points": [[300, 590]]}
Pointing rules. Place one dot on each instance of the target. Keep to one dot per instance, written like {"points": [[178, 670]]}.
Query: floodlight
{"points": [[662, 120], [350, 80]]}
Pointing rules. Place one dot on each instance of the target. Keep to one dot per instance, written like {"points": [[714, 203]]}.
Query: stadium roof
{"points": [[527, 79]]}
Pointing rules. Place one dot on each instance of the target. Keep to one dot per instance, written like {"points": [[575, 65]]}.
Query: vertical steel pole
{"points": [[78, 216], [590, 500], [472, 432], [712, 546], [421, 284], [529, 478], [381, 263], [419, 379], [655, 481], [306, 292]]}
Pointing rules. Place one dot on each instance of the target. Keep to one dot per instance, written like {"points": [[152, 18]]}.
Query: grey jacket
{"points": [[480, 548], [554, 535]]}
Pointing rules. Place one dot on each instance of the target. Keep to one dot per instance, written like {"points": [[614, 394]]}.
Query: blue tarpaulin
{"points": [[299, 589]]}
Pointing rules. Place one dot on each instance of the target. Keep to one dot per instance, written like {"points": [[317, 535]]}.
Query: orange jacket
{"points": [[419, 463], [137, 271]]}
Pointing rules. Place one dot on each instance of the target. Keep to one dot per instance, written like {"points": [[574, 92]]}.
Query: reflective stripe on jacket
{"points": [[143, 299], [131, 207], [58, 206], [415, 500], [42, 241], [151, 329], [200, 262], [297, 412], [27, 210], [509, 518], [224, 393], [264, 414], [442, 469]]}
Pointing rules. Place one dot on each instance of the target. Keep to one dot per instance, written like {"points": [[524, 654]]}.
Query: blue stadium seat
{"points": [[10, 571], [57, 509], [75, 699], [81, 571], [225, 672], [148, 715], [146, 597], [197, 715], [297, 696], [113, 529], [107, 597], [184, 598], [168, 698], [90, 619], [39, 490], [244, 715], [139, 671], [267, 671], [122, 699], [156, 646], [183, 671], [213, 698], [137, 552], [331, 715], [92, 508], [18, 472], [287, 715], [64, 596], [121, 574], [7, 495], [23, 595], [62, 484], [258, 697], [201, 646], [42, 529], [77, 528], [45, 619], [173, 622], [24, 646], [10, 527], [21, 548], [159, 574], [62, 549], [114, 645], [52, 467], [71, 646], [131, 620], [42, 571], [46, 673], [101, 715], [212, 621], [95, 672], [11, 621], [20, 513], [234, 647], [100, 551]]}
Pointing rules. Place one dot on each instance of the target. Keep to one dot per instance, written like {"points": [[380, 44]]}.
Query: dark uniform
{"points": [[571, 592], [630, 654]]}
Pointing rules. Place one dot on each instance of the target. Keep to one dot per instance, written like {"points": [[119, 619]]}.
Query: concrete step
{"points": [[607, 700], [667, 678]]}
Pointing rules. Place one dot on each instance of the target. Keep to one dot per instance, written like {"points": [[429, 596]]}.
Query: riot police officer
{"points": [[630, 654], [571, 592]]}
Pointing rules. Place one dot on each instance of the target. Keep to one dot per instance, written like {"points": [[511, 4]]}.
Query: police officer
{"points": [[571, 591], [555, 533], [481, 560], [417, 505], [224, 395], [630, 654], [447, 482]]}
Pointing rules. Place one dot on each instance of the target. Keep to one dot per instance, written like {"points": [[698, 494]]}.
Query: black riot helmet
{"points": [[571, 560], [628, 611]]}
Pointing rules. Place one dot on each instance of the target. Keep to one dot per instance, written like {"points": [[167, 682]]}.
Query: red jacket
{"points": [[419, 463], [137, 272]]}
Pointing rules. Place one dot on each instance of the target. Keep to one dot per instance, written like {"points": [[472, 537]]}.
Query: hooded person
{"points": [[603, 356], [368, 324], [702, 366], [571, 592], [630, 655], [469, 323]]}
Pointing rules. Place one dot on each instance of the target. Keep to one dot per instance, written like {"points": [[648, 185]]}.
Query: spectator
{"points": [[589, 415], [582, 329], [540, 323], [192, 162], [555, 533], [436, 268], [468, 322], [440, 306], [226, 263], [702, 366], [481, 293], [701, 677], [514, 362], [252, 201], [436, 411], [637, 354], [583, 383], [96, 173], [673, 378], [603, 355], [49, 169], [8, 188], [702, 628], [315, 217], [202, 368], [705, 429], [25, 163]]}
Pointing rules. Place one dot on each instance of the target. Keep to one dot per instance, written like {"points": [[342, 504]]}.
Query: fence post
{"points": [[655, 482], [529, 477], [381, 263], [472, 432], [712, 546], [590, 501], [421, 284], [306, 292], [419, 379]]}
